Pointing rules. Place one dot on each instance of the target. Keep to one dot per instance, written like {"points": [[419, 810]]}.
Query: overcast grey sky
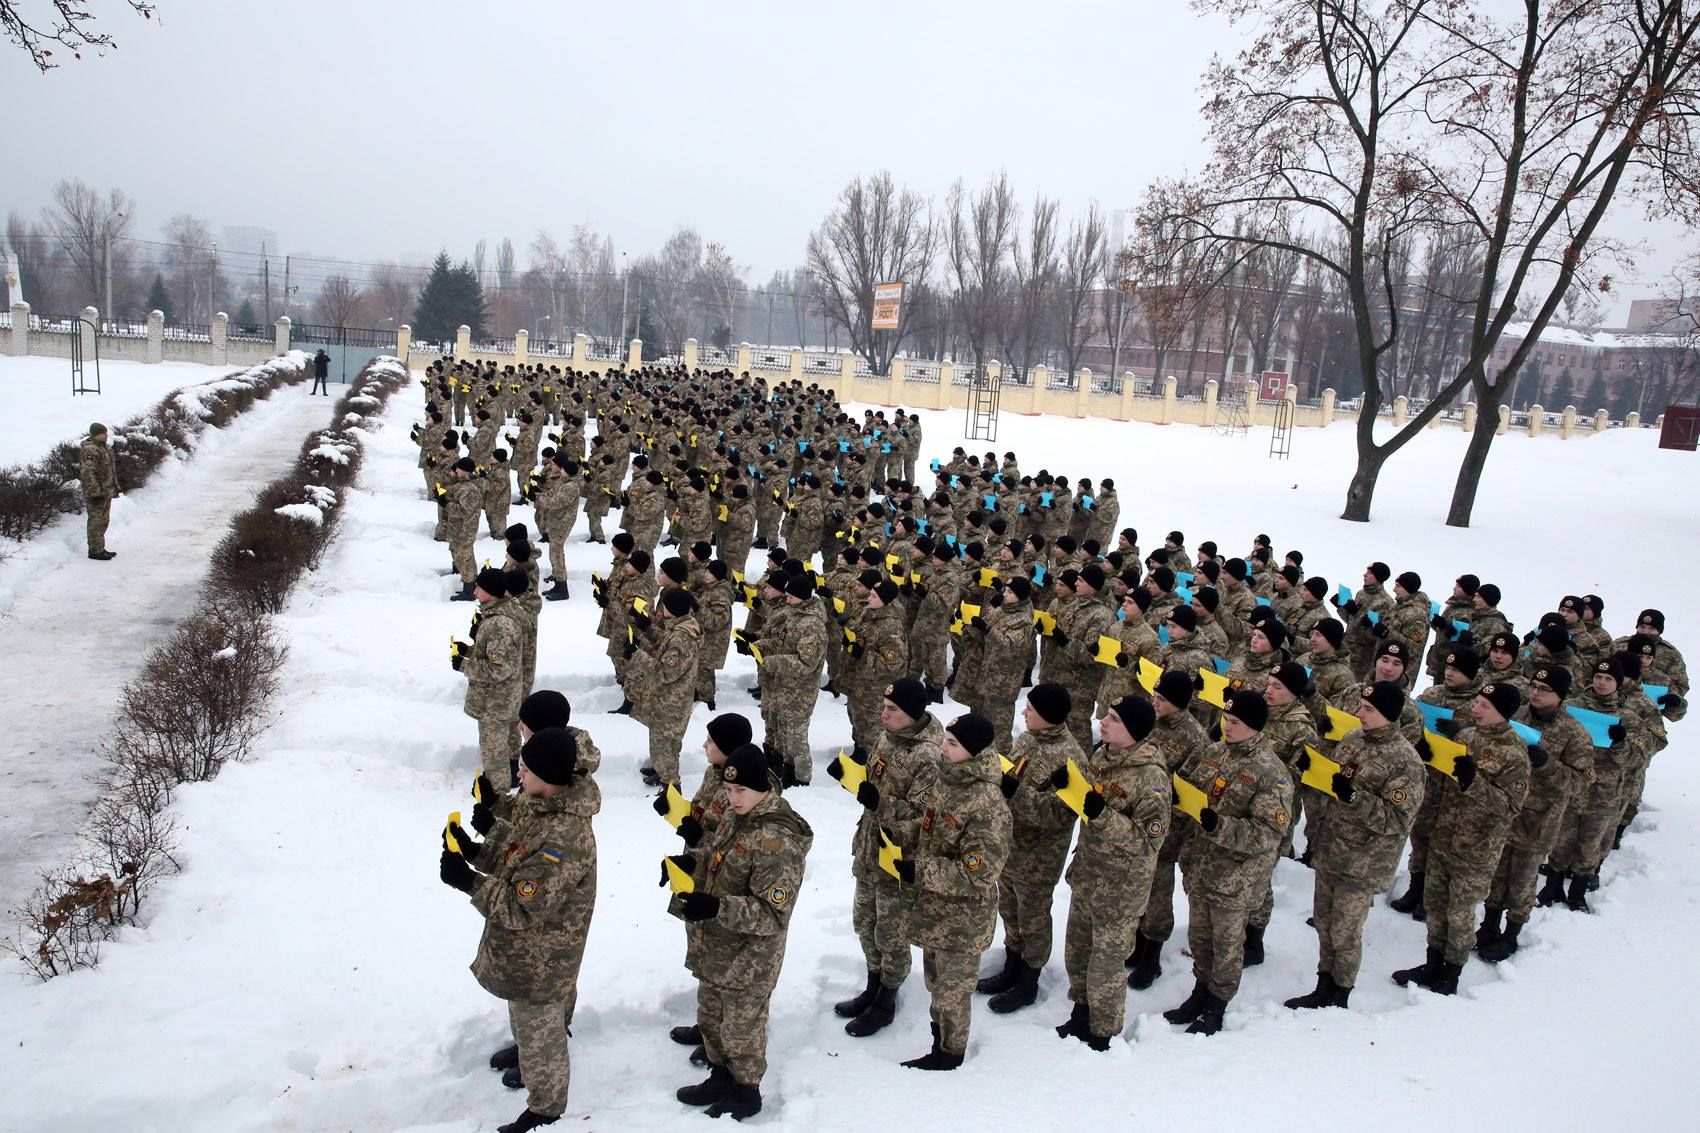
{"points": [[381, 129]]}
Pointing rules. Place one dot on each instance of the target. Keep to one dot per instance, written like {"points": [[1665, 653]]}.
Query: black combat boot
{"points": [[1446, 980], [1502, 946], [1576, 900], [1413, 898], [744, 1101], [1489, 930], [717, 1085], [854, 1006], [1318, 998], [937, 1058], [1003, 980], [513, 1079], [528, 1120], [1552, 892], [1340, 997], [686, 1036], [557, 592], [464, 594], [1096, 1042], [1423, 974], [1077, 1020], [699, 1056], [876, 1016], [625, 708], [935, 693], [1024, 994], [505, 1059], [1617, 839], [1209, 1019], [1253, 945], [1147, 966], [1190, 1007]]}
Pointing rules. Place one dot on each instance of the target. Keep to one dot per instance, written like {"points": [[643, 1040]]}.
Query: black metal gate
{"points": [[350, 348]]}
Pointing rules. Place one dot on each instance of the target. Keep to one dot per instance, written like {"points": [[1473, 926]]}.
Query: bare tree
{"points": [[1266, 287], [719, 284], [1173, 281], [86, 224], [31, 246], [69, 26], [340, 302], [1024, 329], [664, 283], [1079, 271], [979, 236], [876, 233], [392, 289], [189, 265]]}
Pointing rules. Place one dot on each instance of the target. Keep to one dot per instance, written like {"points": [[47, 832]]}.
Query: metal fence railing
{"points": [[715, 356], [919, 372], [605, 349], [188, 332], [770, 360], [250, 332]]}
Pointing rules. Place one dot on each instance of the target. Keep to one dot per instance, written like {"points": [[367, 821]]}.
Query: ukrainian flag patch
{"points": [[550, 853]]}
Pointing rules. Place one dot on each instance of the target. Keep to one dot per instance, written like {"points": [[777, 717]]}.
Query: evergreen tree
{"points": [[159, 299], [1597, 397], [451, 296], [1563, 392], [246, 319]]}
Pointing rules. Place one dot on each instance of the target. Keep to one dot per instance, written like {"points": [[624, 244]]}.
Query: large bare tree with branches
{"points": [[979, 237], [1386, 123], [64, 24], [1081, 267]]}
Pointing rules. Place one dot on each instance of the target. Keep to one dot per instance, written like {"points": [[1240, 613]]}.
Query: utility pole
{"points": [[286, 285], [107, 310], [266, 273], [212, 284], [625, 292]]}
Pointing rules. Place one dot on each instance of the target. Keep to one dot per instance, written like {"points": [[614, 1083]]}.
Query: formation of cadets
{"points": [[1231, 694]]}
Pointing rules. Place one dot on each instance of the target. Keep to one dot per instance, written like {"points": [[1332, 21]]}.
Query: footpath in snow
{"points": [[307, 970], [75, 630]]}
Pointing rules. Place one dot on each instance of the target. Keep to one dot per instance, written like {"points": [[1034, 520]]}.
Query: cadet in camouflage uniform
{"points": [[1126, 818], [1289, 730], [949, 881], [737, 534], [646, 510], [747, 881], [628, 580], [793, 648], [941, 593], [1458, 607], [662, 678], [900, 773], [1562, 766], [537, 896], [876, 658], [99, 477], [461, 505], [713, 591], [1043, 829], [1589, 825], [557, 512], [1229, 857], [493, 664], [1139, 641], [1006, 649], [1076, 636], [1361, 640], [1355, 852], [599, 485], [1477, 809]]}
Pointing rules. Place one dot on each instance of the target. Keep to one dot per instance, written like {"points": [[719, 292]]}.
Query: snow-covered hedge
{"points": [[33, 495]]}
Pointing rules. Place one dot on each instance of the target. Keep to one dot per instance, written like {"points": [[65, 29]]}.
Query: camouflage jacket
{"points": [[1361, 841], [537, 898], [1043, 824], [754, 865], [1289, 729], [462, 505], [963, 842], [1251, 794], [663, 672], [793, 644], [98, 471], [1138, 641], [885, 649], [1472, 825], [1409, 622], [1117, 851], [494, 668], [1556, 785], [901, 766]]}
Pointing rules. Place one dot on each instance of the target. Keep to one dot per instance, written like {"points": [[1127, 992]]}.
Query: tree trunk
{"points": [[1475, 459], [1360, 494]]}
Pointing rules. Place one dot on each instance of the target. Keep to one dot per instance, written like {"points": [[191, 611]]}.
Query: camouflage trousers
{"points": [[540, 1029], [558, 556], [706, 680], [785, 718], [767, 521], [733, 1021], [1024, 903], [878, 917], [99, 515], [1215, 933], [1340, 909], [498, 746], [460, 554], [1000, 710], [594, 514], [496, 512], [950, 978], [1590, 823], [1158, 921], [929, 659], [737, 555], [1095, 945], [864, 709], [460, 400], [1423, 827], [1452, 888], [664, 747]]}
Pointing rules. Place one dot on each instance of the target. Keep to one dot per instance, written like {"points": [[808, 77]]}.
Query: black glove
{"points": [[701, 906], [1059, 777], [1465, 639], [825, 593], [1464, 769], [1616, 734], [855, 649], [1441, 625], [1343, 789], [629, 650], [472, 630], [660, 804], [639, 619], [1093, 806], [1424, 751], [835, 770], [1061, 638], [979, 624], [1672, 702], [456, 874], [1215, 731], [1528, 637], [905, 870], [868, 795], [1302, 763], [920, 589], [1351, 607], [483, 818], [741, 646], [859, 758], [468, 846], [1008, 784], [456, 661], [1449, 728], [1207, 819], [1379, 628], [1537, 756], [686, 862], [1198, 682], [690, 830], [1123, 659]]}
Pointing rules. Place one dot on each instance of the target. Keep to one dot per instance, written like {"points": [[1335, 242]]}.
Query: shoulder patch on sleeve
{"points": [[526, 889], [1281, 818], [771, 844], [778, 895], [550, 853], [973, 861]]}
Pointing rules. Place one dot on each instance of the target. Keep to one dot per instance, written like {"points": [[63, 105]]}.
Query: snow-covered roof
{"points": [[1597, 339]]}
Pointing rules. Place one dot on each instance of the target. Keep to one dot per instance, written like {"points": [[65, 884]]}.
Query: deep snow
{"points": [[308, 971]]}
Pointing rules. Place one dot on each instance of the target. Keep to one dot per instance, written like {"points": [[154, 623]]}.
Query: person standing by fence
{"points": [[321, 373]]}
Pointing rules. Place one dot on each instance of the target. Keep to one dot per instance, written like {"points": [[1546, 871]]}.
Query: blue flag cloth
{"points": [[1222, 665], [1433, 608], [935, 464], [1596, 722], [950, 540], [867, 442], [1345, 594], [752, 469], [1459, 626], [1039, 573], [802, 446], [955, 480], [1433, 713], [1374, 618], [843, 446], [921, 525], [1045, 498], [1525, 733], [890, 529], [1182, 578], [1184, 594], [990, 500], [1262, 601], [1085, 503], [1163, 633], [1022, 510], [1654, 692], [879, 432], [885, 446]]}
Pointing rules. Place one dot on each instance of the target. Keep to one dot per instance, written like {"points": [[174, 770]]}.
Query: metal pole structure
{"points": [[625, 291], [107, 255], [212, 285], [286, 285], [266, 271]]}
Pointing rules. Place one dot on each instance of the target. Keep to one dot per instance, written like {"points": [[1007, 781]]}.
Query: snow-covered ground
{"points": [[75, 631], [41, 410], [308, 970]]}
